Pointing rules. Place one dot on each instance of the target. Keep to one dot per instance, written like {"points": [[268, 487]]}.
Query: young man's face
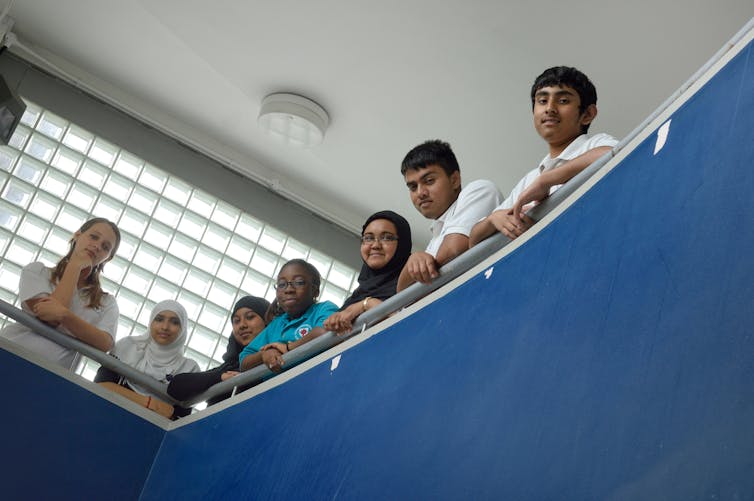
{"points": [[557, 117], [432, 190]]}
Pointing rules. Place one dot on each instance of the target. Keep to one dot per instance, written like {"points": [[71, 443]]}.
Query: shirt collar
{"points": [[437, 224], [548, 163]]}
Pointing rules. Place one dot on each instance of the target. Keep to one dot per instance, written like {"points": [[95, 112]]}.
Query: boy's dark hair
{"points": [[566, 75], [432, 152], [310, 268]]}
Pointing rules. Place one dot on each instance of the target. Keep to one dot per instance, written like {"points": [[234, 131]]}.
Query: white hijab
{"points": [[145, 355]]}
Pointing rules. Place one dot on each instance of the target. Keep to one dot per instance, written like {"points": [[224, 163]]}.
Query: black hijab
{"points": [[380, 284], [259, 306], [190, 384]]}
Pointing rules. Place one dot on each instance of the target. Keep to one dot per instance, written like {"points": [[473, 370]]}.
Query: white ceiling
{"points": [[390, 74]]}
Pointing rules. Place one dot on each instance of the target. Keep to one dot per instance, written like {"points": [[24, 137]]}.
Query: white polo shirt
{"points": [[35, 282], [578, 147], [475, 201]]}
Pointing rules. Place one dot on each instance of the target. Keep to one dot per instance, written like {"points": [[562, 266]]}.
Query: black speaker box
{"points": [[11, 110]]}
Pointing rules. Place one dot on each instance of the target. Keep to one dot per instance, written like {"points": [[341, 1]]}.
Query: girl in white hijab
{"points": [[158, 354]]}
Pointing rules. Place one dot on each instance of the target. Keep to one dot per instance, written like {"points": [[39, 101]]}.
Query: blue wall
{"points": [[60, 441], [610, 357]]}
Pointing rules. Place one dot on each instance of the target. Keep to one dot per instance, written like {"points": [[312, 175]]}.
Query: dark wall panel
{"points": [[60, 441]]}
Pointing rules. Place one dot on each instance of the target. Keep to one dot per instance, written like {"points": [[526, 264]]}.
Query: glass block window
{"points": [[178, 242]]}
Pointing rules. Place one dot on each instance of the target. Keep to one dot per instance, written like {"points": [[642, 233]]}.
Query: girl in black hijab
{"points": [[385, 247], [248, 319]]}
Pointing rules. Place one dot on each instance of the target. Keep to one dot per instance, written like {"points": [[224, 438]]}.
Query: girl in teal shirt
{"points": [[296, 291]]}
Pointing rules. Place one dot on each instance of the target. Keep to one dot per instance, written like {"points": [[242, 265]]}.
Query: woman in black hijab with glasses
{"points": [[385, 247]]}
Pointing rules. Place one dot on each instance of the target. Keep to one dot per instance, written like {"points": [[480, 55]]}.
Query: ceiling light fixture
{"points": [[293, 119]]}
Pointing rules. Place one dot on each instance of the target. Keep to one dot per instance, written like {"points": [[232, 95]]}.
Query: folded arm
{"points": [[539, 189], [50, 310]]}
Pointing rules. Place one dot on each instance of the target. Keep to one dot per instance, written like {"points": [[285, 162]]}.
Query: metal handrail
{"points": [[110, 362], [408, 296]]}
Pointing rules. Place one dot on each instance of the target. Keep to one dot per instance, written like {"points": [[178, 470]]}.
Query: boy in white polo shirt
{"points": [[433, 179], [564, 104]]}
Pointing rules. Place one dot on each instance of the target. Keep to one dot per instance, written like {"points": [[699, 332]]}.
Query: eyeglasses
{"points": [[296, 284], [385, 237]]}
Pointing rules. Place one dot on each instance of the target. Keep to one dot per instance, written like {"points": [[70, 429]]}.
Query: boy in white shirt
{"points": [[564, 104], [433, 179]]}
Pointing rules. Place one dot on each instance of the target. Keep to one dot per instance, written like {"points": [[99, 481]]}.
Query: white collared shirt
{"points": [[475, 201], [578, 147]]}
